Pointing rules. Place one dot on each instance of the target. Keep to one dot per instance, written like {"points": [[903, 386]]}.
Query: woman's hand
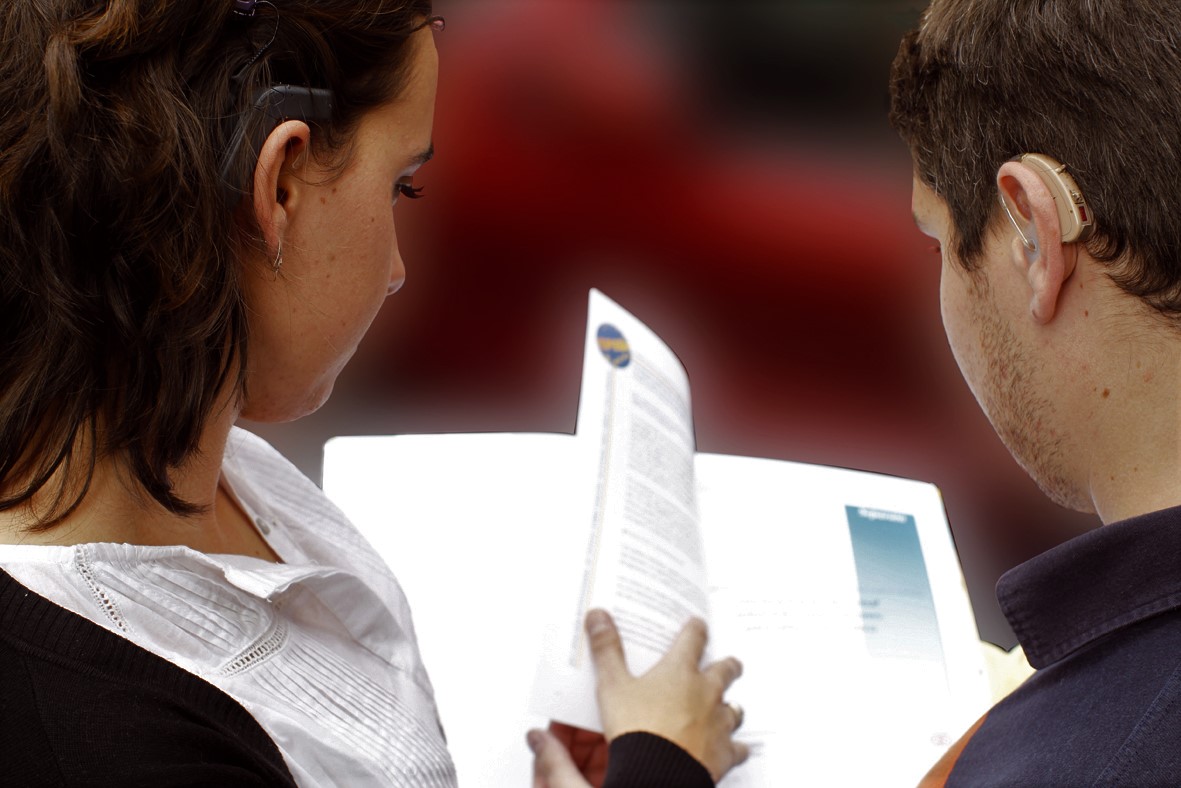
{"points": [[676, 699]]}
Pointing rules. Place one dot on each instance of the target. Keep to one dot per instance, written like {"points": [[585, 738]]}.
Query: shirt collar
{"points": [[1094, 584]]}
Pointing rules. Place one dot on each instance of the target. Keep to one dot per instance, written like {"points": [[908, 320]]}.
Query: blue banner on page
{"points": [[897, 608]]}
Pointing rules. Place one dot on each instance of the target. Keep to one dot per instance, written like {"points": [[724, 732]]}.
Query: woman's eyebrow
{"points": [[425, 156]]}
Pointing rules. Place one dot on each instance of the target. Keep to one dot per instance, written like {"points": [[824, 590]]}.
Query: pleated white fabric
{"points": [[320, 649]]}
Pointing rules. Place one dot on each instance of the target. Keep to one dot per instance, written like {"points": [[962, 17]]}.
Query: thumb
{"points": [[605, 646], [552, 765]]}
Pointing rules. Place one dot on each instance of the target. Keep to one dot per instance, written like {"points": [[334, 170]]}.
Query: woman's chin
{"points": [[272, 410]]}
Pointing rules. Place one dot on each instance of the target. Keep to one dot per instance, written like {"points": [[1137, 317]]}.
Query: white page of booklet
{"points": [[482, 532], [471, 526], [821, 706], [642, 555]]}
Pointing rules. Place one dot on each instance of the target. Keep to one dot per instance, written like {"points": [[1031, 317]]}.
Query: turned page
{"points": [[641, 556]]}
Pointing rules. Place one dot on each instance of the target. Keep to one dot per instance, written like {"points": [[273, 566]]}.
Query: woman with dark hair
{"points": [[196, 225]]}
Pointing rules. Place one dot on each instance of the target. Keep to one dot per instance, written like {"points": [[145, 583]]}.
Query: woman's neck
{"points": [[115, 510]]}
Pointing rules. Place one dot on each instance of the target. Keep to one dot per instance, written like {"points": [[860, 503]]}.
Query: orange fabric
{"points": [[587, 748], [937, 777]]}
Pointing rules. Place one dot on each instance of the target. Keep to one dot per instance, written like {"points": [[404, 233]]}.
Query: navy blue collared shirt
{"points": [[1100, 618]]}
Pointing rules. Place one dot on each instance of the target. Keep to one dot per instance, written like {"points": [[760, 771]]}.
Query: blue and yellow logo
{"points": [[613, 346]]}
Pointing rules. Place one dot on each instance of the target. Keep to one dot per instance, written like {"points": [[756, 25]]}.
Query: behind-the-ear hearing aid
{"points": [[1074, 215]]}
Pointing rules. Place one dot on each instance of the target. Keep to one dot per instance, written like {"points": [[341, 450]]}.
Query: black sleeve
{"points": [[645, 760]]}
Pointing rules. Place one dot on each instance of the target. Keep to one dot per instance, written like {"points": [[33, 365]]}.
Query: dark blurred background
{"points": [[724, 169]]}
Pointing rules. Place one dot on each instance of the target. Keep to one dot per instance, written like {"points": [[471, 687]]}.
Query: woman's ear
{"points": [[1046, 263], [277, 180]]}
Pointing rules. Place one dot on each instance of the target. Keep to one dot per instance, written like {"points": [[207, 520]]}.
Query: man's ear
{"points": [[277, 180], [1042, 257]]}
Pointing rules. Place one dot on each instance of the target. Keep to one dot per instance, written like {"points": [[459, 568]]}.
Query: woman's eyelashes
{"points": [[407, 190]]}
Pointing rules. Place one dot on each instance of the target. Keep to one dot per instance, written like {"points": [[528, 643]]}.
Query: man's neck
{"points": [[1131, 426]]}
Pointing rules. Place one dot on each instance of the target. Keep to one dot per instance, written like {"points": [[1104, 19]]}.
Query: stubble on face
{"points": [[1010, 390]]}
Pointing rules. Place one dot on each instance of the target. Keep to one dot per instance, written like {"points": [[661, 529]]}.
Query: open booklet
{"points": [[839, 590]]}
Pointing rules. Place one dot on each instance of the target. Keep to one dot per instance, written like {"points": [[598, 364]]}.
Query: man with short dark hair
{"points": [[1046, 137]]}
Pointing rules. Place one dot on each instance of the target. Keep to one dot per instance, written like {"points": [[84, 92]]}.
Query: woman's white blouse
{"points": [[320, 649]]}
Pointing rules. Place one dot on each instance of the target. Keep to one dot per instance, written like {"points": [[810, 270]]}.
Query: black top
{"points": [[82, 706], [1100, 617]]}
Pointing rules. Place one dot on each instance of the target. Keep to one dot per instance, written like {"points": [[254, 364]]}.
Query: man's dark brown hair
{"points": [[121, 306], [1095, 84]]}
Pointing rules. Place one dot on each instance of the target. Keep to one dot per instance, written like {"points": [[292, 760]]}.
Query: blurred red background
{"points": [[725, 171]]}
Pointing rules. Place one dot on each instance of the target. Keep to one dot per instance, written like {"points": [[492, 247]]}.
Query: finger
{"points": [[725, 671], [741, 752], [736, 714], [605, 646], [552, 767], [690, 642]]}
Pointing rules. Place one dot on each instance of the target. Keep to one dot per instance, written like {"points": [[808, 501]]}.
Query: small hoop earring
{"points": [[278, 263], [1030, 245]]}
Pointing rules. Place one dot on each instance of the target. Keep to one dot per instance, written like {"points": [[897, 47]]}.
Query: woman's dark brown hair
{"points": [[121, 307], [1096, 85]]}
